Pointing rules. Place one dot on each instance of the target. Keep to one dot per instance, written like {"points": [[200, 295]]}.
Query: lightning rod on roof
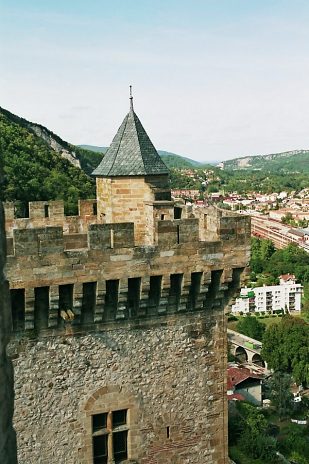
{"points": [[131, 98]]}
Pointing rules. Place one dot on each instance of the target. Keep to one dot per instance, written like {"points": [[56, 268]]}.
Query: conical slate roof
{"points": [[131, 152]]}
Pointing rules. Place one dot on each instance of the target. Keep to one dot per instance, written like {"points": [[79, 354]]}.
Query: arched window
{"points": [[110, 421]]}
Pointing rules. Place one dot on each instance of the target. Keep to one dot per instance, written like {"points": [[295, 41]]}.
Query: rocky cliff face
{"points": [[7, 433], [46, 135], [64, 149], [273, 161]]}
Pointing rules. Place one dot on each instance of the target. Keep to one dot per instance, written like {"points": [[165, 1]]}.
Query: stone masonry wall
{"points": [[7, 434], [125, 199], [112, 325], [171, 374]]}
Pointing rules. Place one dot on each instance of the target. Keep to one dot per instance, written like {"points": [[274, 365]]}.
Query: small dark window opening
{"points": [[195, 287], [168, 432], [206, 221], [99, 444], [18, 308], [21, 209], [111, 299], [46, 211], [162, 217], [95, 209], [155, 290], [119, 418], [89, 302], [178, 234], [213, 288], [120, 445], [234, 285], [41, 307], [175, 290], [65, 298], [177, 212], [134, 286], [99, 422]]}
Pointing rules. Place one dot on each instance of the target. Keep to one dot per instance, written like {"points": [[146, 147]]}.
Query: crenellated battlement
{"points": [[51, 233], [51, 214], [54, 273]]}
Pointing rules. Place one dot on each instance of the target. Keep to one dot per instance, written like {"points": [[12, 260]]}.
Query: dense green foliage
{"points": [[279, 387], [89, 160], [244, 182], [271, 263], [34, 171], [286, 347], [175, 161], [182, 181], [295, 444], [251, 326], [255, 435], [248, 429], [262, 181], [261, 252]]}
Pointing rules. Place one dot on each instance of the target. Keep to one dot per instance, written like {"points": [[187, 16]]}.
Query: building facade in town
{"points": [[286, 296], [119, 341]]}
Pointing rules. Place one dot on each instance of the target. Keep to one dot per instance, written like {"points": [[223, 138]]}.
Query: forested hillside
{"points": [[290, 161], [33, 170], [39, 165]]}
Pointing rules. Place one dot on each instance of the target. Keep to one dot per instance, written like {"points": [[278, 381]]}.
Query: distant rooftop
{"points": [[131, 152], [287, 277], [236, 375]]}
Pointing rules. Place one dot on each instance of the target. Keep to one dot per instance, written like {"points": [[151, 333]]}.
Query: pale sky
{"points": [[212, 79]]}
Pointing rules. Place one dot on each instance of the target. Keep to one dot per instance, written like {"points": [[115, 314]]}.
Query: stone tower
{"points": [[132, 180], [119, 330]]}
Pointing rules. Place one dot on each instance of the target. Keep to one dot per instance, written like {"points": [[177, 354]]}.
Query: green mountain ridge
{"points": [[172, 160], [288, 161]]}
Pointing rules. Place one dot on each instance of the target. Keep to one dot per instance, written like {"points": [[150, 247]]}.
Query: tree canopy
{"points": [[261, 252], [34, 171], [286, 347], [279, 386], [251, 433], [267, 263], [252, 327]]}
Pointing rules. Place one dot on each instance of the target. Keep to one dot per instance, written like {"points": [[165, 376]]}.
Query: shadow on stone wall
{"points": [[7, 433]]}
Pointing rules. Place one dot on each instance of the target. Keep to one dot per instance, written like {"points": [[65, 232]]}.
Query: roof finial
{"points": [[131, 98]]}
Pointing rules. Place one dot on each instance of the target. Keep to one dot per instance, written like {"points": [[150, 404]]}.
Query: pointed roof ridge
{"points": [[124, 123], [131, 152], [138, 134]]}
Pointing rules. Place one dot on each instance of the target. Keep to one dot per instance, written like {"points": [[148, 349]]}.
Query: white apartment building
{"points": [[287, 296]]}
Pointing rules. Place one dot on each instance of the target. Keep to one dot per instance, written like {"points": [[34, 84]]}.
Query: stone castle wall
{"points": [[7, 434], [130, 199], [170, 376], [102, 321]]}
